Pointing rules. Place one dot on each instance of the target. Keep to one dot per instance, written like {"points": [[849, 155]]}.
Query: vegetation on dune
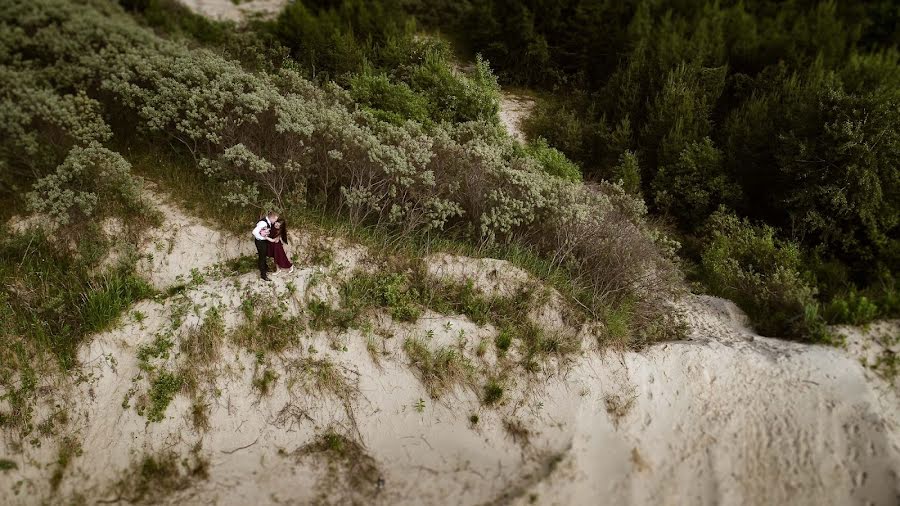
{"points": [[783, 112], [278, 139]]}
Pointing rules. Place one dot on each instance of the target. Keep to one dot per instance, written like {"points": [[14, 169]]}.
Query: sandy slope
{"points": [[235, 11], [727, 417], [514, 109]]}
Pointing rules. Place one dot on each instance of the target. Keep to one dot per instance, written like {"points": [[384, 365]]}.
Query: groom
{"points": [[261, 238]]}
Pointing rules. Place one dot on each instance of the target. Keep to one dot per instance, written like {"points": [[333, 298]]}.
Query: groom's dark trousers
{"points": [[262, 248]]}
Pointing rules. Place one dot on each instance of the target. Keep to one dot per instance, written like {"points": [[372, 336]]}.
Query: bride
{"points": [[278, 237]]}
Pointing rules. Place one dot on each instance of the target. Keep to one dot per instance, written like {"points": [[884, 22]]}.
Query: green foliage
{"points": [[265, 329], [164, 387], [279, 139], [440, 369], [56, 296], [8, 465], [493, 393], [782, 111], [392, 102], [503, 340], [552, 161], [695, 185], [853, 309], [628, 171], [748, 264], [390, 290]]}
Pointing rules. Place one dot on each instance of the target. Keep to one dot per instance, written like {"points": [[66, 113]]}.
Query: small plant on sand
{"points": [[321, 254], [440, 369], [493, 392], [517, 431], [265, 381], [200, 415], [267, 330], [69, 448], [201, 344], [153, 478], [322, 376], [157, 349], [503, 340], [619, 405], [163, 389], [347, 461]]}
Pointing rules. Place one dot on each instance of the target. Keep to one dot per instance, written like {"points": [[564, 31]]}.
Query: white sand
{"points": [[183, 244], [514, 109], [727, 417], [227, 10]]}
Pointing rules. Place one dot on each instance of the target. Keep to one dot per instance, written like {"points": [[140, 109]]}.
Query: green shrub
{"points": [[503, 340], [391, 102], [553, 162], [628, 171], [279, 139], [493, 393], [439, 369], [163, 389], [762, 274], [853, 308]]}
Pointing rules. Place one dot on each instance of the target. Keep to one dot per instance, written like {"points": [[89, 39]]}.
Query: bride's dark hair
{"points": [[283, 230]]}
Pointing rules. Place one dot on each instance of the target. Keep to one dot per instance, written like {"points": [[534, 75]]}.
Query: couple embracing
{"points": [[270, 236]]}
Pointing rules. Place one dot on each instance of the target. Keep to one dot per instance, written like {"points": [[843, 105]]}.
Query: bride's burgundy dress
{"points": [[276, 251]]}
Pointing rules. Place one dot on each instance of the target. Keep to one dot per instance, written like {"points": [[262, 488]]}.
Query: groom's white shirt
{"points": [[257, 231]]}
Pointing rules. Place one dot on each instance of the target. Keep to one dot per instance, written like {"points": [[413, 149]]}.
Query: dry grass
{"points": [[619, 405], [351, 471], [155, 478], [440, 369]]}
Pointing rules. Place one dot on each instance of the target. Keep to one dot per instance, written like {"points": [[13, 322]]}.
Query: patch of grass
{"points": [[200, 415], [493, 392], [240, 265], [321, 254], [617, 324], [201, 344], [155, 477], [322, 376], [158, 349], [347, 461], [267, 330], [56, 296], [618, 405], [69, 448], [7, 465], [388, 290], [163, 389], [503, 340], [440, 369], [265, 381]]}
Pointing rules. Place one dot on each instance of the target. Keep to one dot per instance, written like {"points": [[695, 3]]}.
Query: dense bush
{"points": [[762, 274], [552, 161], [88, 178], [280, 139], [782, 111]]}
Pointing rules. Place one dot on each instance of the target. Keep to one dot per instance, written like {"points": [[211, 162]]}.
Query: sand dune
{"points": [[727, 417]]}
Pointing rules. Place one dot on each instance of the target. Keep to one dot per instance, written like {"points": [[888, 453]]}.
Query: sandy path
{"points": [[227, 10], [514, 109]]}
